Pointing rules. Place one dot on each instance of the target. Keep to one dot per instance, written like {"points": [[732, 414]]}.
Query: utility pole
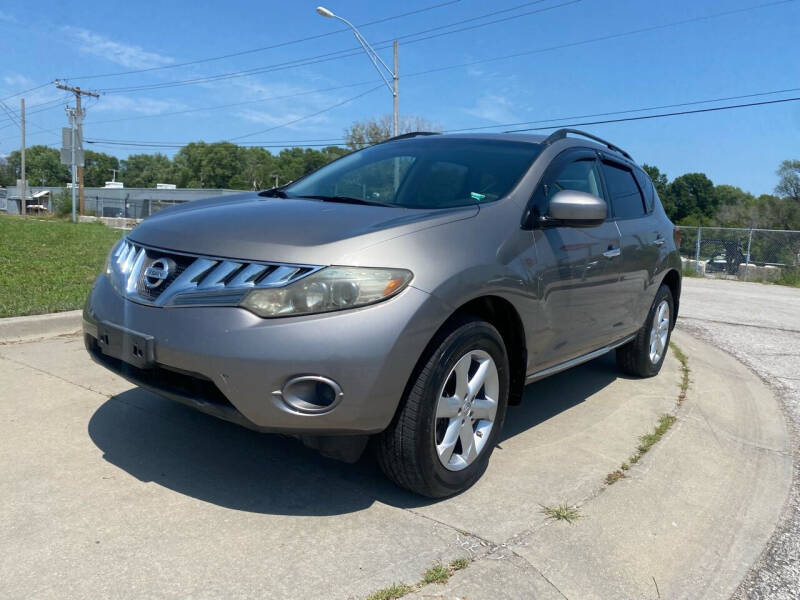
{"points": [[72, 112], [23, 191], [78, 127], [395, 92]]}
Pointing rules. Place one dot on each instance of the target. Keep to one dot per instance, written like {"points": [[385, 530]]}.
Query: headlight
{"points": [[111, 255], [333, 288]]}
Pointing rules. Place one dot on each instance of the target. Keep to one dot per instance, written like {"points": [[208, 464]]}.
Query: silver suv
{"points": [[405, 292]]}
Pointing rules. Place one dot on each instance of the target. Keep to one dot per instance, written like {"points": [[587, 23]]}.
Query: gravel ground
{"points": [[760, 325]]}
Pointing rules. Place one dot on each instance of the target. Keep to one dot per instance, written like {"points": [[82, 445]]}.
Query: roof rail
{"points": [[410, 134], [562, 133]]}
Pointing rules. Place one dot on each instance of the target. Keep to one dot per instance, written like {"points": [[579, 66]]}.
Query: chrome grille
{"points": [[194, 280]]}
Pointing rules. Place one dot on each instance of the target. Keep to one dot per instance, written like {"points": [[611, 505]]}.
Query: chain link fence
{"points": [[744, 254]]}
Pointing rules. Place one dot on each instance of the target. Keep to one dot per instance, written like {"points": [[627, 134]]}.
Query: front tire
{"points": [[644, 355], [440, 441]]}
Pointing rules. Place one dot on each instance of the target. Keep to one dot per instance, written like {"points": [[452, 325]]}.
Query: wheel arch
{"points": [[502, 315], [672, 280]]}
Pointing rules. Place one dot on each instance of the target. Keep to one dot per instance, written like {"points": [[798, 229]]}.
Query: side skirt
{"points": [[574, 362]]}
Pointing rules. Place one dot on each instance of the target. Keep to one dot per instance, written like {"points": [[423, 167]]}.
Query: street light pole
{"points": [[376, 61]]}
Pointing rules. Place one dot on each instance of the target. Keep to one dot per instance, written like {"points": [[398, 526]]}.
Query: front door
{"points": [[580, 281]]}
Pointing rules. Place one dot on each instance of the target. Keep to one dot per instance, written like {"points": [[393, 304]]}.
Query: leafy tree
{"points": [[789, 184], [692, 199], [257, 169], [146, 170], [7, 175], [98, 168], [372, 131], [215, 165], [42, 166]]}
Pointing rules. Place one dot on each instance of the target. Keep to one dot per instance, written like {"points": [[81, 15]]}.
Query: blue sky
{"points": [[743, 53]]}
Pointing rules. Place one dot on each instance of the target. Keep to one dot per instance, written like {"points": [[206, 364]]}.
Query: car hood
{"points": [[252, 227]]}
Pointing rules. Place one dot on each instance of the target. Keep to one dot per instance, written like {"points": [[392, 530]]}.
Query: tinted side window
{"points": [[647, 188], [580, 175], [625, 196]]}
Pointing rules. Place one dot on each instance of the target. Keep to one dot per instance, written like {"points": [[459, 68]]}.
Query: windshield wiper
{"points": [[274, 192], [344, 200]]}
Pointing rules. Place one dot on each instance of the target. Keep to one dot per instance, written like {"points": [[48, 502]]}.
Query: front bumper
{"points": [[228, 362]]}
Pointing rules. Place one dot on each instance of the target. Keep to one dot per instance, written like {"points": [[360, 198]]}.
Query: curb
{"points": [[19, 329]]}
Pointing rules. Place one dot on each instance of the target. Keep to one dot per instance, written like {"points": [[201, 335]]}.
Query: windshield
{"points": [[422, 173]]}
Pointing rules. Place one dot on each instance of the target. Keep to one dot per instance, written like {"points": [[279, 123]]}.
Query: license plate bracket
{"points": [[129, 346]]}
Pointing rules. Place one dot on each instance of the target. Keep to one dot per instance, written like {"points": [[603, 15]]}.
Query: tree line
{"points": [[196, 165], [693, 199], [689, 199]]}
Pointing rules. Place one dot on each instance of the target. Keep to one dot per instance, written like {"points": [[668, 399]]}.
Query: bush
{"points": [[62, 204], [789, 276]]}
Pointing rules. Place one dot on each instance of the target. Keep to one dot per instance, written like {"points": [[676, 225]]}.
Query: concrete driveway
{"points": [[110, 491], [760, 325]]}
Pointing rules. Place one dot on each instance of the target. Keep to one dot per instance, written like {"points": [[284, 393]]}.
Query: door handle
{"points": [[658, 241], [611, 253]]}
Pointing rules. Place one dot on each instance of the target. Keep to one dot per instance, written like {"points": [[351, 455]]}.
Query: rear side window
{"points": [[647, 187], [624, 193]]}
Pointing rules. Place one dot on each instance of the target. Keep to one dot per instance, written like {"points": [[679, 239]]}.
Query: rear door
{"points": [[580, 275], [638, 239]]}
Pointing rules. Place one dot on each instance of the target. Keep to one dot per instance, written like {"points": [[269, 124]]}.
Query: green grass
{"points": [[562, 512], [790, 277], [665, 421], [647, 441], [438, 573], [392, 592], [48, 265], [690, 271]]}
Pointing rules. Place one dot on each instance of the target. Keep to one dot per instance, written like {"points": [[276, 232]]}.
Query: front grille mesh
{"points": [[194, 280]]}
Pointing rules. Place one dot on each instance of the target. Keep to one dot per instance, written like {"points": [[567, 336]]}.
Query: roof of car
{"points": [[586, 139]]}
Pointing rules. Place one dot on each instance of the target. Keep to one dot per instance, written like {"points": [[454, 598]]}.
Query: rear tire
{"points": [[644, 355], [449, 400]]}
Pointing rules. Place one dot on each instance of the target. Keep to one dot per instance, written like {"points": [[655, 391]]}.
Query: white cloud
{"points": [[130, 56], [13, 83], [140, 106], [279, 117], [491, 107]]}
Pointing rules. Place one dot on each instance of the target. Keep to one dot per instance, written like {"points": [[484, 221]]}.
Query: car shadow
{"points": [[166, 443]]}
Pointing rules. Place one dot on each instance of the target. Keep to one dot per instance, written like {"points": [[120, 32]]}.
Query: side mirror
{"points": [[572, 205]]}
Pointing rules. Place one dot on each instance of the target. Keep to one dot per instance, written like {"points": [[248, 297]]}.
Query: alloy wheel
{"points": [[466, 410], [659, 332]]}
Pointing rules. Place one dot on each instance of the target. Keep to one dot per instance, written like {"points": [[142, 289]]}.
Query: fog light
{"points": [[311, 393]]}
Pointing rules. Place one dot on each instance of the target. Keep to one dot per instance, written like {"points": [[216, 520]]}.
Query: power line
{"points": [[601, 38], [554, 126], [265, 48], [233, 104], [671, 114], [476, 62], [144, 145], [347, 52], [338, 54], [49, 104], [630, 110], [293, 121], [33, 89]]}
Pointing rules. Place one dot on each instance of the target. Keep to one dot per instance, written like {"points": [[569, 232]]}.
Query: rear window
{"points": [[623, 191], [424, 172]]}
